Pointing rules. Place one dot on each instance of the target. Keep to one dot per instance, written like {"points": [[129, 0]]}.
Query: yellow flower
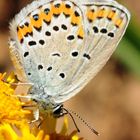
{"points": [[7, 132], [13, 118], [10, 107]]}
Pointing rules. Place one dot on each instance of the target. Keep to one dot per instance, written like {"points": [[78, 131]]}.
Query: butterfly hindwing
{"points": [[105, 24]]}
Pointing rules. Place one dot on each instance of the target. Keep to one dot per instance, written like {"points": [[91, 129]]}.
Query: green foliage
{"points": [[128, 51]]}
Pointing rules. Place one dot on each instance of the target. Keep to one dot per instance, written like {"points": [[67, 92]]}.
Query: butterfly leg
{"points": [[19, 96], [60, 111], [36, 115]]}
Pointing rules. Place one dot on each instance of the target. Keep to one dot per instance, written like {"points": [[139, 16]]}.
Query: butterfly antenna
{"points": [[67, 112], [86, 123]]}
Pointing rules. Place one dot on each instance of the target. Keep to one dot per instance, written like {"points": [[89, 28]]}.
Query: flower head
{"points": [[13, 118], [10, 106], [7, 132]]}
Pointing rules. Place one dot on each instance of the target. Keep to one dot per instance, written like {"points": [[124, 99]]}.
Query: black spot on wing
{"points": [[22, 40], [111, 34], [29, 73], [32, 43], [46, 11], [103, 30], [87, 56], [80, 37], [56, 15], [56, 28], [26, 24], [76, 14], [70, 37], [56, 54], [64, 27], [57, 5], [36, 17], [42, 42], [38, 28], [66, 15], [62, 75], [49, 68], [26, 54], [74, 54], [95, 29], [68, 6], [47, 33], [47, 22], [40, 67]]}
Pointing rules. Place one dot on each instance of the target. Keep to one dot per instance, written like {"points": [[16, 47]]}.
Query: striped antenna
{"points": [[85, 122]]}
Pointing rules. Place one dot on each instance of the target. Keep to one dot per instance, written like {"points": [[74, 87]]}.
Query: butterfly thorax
{"points": [[45, 102], [48, 109]]}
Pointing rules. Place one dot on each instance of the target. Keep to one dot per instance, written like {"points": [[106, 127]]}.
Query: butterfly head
{"points": [[45, 102]]}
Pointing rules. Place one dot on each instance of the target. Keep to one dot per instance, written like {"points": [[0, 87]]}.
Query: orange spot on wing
{"points": [[56, 10], [111, 15], [27, 30], [75, 20], [118, 22], [36, 23], [91, 15], [67, 11], [80, 32], [101, 13], [20, 34], [47, 17]]}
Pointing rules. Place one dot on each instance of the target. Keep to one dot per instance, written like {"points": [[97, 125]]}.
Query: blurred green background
{"points": [[110, 102]]}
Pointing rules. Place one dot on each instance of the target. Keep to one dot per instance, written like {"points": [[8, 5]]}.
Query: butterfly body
{"points": [[60, 45]]}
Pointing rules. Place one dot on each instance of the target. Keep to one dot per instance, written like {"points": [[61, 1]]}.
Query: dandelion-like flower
{"points": [[7, 132], [10, 107], [14, 119]]}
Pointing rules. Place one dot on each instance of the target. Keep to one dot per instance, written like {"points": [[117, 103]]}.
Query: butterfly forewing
{"points": [[61, 45]]}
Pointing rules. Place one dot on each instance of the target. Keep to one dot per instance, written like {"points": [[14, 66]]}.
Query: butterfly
{"points": [[60, 45]]}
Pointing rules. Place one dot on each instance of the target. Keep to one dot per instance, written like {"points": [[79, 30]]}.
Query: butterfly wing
{"points": [[105, 24], [44, 35], [61, 45]]}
